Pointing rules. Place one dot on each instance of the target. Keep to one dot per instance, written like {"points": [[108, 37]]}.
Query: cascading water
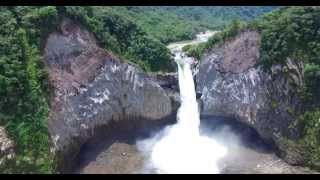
{"points": [[182, 149]]}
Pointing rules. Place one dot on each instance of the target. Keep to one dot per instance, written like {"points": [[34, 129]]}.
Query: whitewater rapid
{"points": [[182, 150]]}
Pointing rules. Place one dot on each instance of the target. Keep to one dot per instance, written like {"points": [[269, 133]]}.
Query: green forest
{"points": [[140, 35], [176, 23]]}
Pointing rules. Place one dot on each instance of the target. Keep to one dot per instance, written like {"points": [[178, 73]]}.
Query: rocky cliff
{"points": [[93, 88], [233, 85]]}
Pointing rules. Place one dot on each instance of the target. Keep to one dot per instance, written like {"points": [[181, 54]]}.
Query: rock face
{"points": [[6, 147], [91, 89], [169, 82], [233, 85]]}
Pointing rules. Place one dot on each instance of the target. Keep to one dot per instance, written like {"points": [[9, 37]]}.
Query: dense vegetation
{"points": [[295, 33], [119, 34], [24, 91], [311, 137], [139, 34], [175, 23], [290, 32], [24, 105]]}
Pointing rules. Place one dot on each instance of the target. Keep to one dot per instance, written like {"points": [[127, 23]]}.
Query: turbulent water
{"points": [[182, 149]]}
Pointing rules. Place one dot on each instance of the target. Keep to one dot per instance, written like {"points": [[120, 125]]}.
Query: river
{"points": [[201, 37]]}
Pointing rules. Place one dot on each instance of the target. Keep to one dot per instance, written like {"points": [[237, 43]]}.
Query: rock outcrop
{"points": [[91, 89], [6, 147], [233, 85], [169, 82]]}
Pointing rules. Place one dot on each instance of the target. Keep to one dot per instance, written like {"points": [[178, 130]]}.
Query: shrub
{"points": [[311, 137]]}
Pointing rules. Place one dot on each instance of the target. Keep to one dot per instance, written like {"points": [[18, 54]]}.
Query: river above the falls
{"points": [[201, 37]]}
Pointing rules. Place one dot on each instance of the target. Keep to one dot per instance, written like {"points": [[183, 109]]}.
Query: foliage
{"points": [[23, 106], [118, 33], [290, 32], [294, 32], [311, 137], [24, 90], [312, 76], [176, 23], [195, 51], [274, 104], [134, 33], [232, 30]]}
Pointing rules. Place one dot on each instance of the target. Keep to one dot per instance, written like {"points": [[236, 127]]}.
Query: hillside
{"points": [[175, 23]]}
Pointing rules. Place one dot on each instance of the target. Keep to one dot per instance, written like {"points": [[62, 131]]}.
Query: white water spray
{"points": [[182, 149]]}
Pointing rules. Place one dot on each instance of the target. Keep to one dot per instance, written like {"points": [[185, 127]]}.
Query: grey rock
{"points": [[233, 85], [91, 88], [170, 83], [6, 147]]}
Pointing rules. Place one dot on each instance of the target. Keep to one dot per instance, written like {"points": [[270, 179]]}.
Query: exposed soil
{"points": [[240, 54]]}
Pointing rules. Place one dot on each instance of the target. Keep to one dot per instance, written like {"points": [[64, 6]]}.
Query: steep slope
{"points": [[92, 89], [266, 74], [232, 86]]}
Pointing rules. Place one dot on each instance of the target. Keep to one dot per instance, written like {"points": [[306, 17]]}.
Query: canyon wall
{"points": [[233, 85], [93, 88]]}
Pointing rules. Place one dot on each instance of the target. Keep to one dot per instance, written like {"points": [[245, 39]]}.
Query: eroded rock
{"points": [[6, 147], [233, 85], [91, 88]]}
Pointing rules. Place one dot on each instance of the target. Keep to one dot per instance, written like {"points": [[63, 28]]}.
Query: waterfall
{"points": [[188, 113], [183, 149]]}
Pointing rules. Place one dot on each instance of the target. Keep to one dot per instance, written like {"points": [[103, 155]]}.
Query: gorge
{"points": [[131, 151], [108, 90]]}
